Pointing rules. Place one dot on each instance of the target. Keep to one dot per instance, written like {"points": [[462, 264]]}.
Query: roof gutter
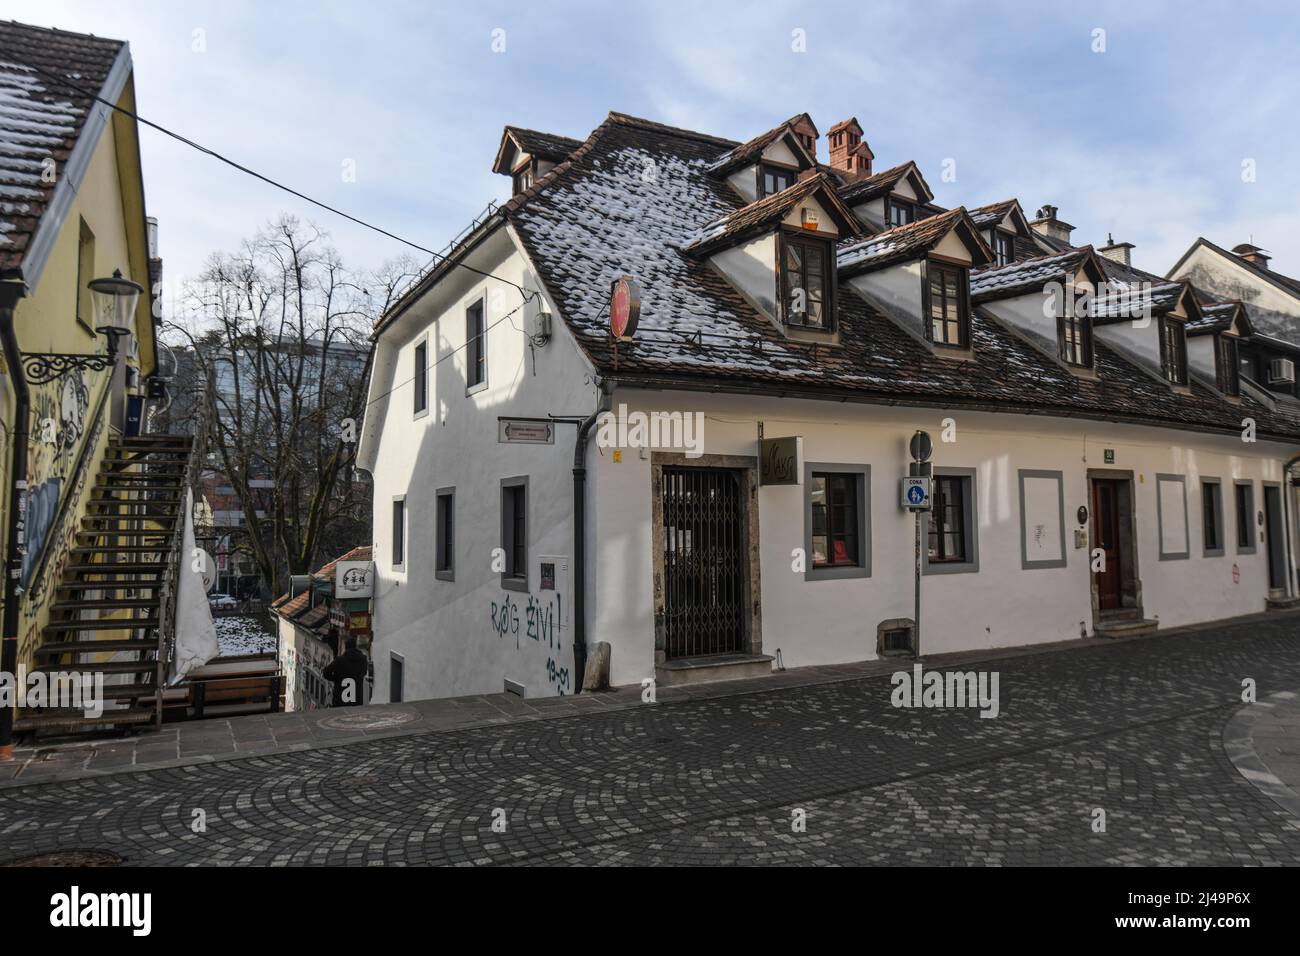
{"points": [[813, 393], [11, 290]]}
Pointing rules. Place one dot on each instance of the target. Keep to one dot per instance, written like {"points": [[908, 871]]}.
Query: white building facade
{"points": [[1086, 479]]}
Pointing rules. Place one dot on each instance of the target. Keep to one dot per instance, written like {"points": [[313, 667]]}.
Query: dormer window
{"points": [[1227, 369], [806, 282], [947, 304], [1173, 351], [523, 177], [774, 179], [1003, 249], [1075, 339], [900, 212]]}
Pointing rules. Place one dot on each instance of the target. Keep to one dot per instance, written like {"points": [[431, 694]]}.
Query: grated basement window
{"points": [[897, 641]]}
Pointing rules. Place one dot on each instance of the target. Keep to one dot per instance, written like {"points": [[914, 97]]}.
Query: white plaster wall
{"points": [[1025, 313], [778, 152], [872, 213], [745, 182], [1139, 339], [828, 621], [896, 291], [751, 268], [1200, 356], [447, 630], [1232, 280]]}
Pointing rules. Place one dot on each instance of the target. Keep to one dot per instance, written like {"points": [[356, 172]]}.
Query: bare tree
{"points": [[279, 332]]}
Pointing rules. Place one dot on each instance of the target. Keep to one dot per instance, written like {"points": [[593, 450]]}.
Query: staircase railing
{"points": [[46, 567], [176, 557]]}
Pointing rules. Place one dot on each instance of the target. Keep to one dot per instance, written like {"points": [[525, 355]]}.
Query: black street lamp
{"points": [[115, 299]]}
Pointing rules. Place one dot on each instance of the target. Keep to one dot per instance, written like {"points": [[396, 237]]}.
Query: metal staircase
{"points": [[115, 606]]}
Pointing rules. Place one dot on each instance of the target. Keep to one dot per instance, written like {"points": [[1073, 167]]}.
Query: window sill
{"points": [[422, 413], [836, 572], [449, 575], [1086, 372], [800, 333], [955, 352], [950, 567], [514, 584], [1213, 553], [472, 389]]}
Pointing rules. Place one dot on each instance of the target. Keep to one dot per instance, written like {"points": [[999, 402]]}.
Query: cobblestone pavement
{"points": [[1135, 729]]}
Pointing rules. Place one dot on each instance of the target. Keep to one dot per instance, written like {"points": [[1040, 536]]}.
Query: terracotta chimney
{"points": [[1121, 252], [850, 155], [806, 133], [1252, 254], [1047, 224]]}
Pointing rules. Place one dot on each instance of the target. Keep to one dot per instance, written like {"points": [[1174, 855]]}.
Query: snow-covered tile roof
{"points": [[623, 204], [40, 121], [1027, 275], [899, 243]]}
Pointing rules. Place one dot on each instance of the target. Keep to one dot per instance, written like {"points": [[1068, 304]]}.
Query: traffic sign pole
{"points": [[921, 448]]}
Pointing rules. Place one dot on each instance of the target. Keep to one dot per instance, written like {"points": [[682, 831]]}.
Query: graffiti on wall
{"points": [[536, 628], [58, 433]]}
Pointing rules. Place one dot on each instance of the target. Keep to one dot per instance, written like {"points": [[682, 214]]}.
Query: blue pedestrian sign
{"points": [[916, 494]]}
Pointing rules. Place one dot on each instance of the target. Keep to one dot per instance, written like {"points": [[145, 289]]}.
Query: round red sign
{"points": [[624, 307]]}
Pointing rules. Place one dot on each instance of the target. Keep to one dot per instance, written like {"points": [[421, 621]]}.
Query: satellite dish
{"points": [[207, 568]]}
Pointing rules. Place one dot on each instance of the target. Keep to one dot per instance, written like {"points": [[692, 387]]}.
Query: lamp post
{"points": [[114, 298]]}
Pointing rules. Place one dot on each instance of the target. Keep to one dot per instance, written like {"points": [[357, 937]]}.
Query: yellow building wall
{"points": [[110, 200]]}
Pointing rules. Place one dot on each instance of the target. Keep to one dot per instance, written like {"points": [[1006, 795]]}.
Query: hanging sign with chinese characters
{"points": [[354, 579]]}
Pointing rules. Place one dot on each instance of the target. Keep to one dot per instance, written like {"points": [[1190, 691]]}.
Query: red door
{"points": [[1105, 535]]}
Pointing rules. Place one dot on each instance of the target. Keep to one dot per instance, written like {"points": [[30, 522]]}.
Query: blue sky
{"points": [[1146, 139]]}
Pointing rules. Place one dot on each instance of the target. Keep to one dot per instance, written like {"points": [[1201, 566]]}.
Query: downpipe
{"points": [[11, 290], [1287, 492], [580, 536]]}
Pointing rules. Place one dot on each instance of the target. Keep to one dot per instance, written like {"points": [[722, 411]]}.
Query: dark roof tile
{"points": [[40, 120]]}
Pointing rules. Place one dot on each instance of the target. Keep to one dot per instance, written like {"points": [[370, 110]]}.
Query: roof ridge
{"points": [[540, 132], [627, 119], [62, 32]]}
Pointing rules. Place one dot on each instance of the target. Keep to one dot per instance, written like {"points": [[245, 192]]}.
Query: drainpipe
{"points": [[580, 537], [1286, 517], [11, 290]]}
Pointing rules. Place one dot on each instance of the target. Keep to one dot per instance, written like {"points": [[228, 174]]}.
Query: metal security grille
{"points": [[704, 561]]}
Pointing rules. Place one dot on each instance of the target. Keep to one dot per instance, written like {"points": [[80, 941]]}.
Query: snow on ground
{"points": [[243, 635]]}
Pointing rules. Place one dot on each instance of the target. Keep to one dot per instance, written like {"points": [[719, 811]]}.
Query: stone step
{"points": [[714, 667], [75, 720], [1126, 628]]}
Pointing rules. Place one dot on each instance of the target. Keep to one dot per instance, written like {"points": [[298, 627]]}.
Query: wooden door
{"points": [[1105, 535]]}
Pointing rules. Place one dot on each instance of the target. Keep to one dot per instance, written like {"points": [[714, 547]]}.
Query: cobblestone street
{"points": [[1134, 728]]}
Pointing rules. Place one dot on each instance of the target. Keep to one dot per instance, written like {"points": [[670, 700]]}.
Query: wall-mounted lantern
{"points": [[115, 299]]}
